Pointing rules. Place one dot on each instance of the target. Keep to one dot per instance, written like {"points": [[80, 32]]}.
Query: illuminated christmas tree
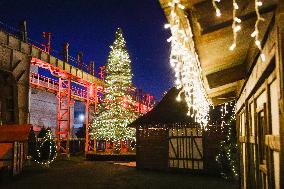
{"points": [[117, 108]]}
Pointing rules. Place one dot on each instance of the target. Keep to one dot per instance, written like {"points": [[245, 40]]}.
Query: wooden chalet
{"points": [[166, 138], [243, 74], [13, 147]]}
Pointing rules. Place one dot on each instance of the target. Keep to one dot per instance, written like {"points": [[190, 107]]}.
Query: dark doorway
{"points": [[8, 99]]}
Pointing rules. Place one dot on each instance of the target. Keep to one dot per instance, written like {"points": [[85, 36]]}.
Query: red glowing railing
{"points": [[43, 81], [143, 104], [52, 85]]}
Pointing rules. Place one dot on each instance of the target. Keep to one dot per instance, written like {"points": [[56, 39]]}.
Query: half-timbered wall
{"points": [[186, 148], [259, 123]]}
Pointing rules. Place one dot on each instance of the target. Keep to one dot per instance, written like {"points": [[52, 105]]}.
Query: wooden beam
{"points": [[228, 23], [226, 76], [223, 98], [273, 142]]}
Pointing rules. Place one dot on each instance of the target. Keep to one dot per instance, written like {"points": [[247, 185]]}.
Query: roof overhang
{"points": [[224, 71]]}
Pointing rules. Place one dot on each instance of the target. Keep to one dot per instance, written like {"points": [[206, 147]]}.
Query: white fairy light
{"points": [[178, 98], [166, 26], [236, 6], [237, 20], [235, 25], [258, 3], [181, 6], [237, 28], [233, 46], [257, 42], [169, 39], [184, 61], [218, 12], [255, 33], [46, 138], [262, 56]]}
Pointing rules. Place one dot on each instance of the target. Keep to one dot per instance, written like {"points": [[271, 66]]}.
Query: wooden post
{"points": [[65, 52], [280, 75], [92, 68], [80, 60], [46, 45], [24, 33]]}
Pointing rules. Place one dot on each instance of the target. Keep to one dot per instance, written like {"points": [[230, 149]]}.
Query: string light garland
{"points": [[227, 154], [255, 33], [185, 63], [52, 154], [236, 27], [218, 12], [117, 109]]}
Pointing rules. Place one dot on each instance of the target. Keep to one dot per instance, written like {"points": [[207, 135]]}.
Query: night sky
{"points": [[89, 26]]}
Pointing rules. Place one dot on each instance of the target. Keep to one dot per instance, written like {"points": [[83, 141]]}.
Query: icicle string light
{"points": [[235, 26], [186, 65], [255, 33], [218, 12]]}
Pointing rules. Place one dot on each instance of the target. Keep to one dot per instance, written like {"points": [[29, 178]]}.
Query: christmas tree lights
{"points": [[117, 108], [185, 63]]}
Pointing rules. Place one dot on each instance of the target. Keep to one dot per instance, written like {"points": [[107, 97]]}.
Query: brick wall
{"points": [[43, 109]]}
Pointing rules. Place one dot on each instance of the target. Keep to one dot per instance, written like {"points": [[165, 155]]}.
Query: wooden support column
{"points": [[247, 145], [280, 75]]}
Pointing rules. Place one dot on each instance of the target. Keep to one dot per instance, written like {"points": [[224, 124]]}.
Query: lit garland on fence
{"points": [[218, 12], [185, 63], [236, 25], [52, 150], [255, 33]]}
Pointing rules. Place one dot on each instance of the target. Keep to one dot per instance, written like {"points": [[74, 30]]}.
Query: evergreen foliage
{"points": [[227, 157], [45, 148], [116, 110]]}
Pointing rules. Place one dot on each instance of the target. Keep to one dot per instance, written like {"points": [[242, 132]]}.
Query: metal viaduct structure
{"points": [[69, 82]]}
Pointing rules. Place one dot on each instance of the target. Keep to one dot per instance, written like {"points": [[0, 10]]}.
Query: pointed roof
{"points": [[167, 111]]}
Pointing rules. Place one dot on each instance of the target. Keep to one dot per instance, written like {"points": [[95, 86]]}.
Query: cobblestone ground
{"points": [[77, 173]]}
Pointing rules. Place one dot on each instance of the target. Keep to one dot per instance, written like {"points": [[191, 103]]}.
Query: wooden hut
{"points": [[13, 147], [169, 139]]}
